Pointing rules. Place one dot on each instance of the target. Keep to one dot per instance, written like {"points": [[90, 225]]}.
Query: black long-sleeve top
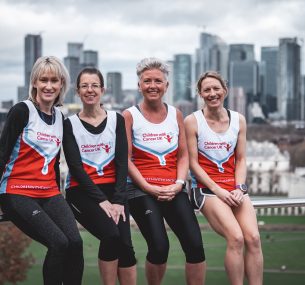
{"points": [[16, 121], [75, 164]]}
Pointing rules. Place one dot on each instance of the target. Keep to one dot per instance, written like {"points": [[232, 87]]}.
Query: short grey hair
{"points": [[152, 63], [53, 64]]}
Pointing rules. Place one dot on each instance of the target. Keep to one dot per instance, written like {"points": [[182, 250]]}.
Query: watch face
{"points": [[242, 187]]}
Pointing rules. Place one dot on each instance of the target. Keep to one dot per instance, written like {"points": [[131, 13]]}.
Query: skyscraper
{"points": [[289, 79], [182, 77], [269, 57], [243, 71], [90, 58], [114, 86], [77, 59], [32, 51]]}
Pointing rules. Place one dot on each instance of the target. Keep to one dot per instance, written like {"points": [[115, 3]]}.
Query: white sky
{"points": [[125, 31]]}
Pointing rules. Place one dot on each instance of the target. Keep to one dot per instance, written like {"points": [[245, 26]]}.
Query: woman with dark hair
{"points": [[95, 147], [216, 140], [29, 170]]}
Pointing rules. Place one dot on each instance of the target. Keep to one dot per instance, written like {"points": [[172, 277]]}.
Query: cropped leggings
{"points": [[179, 215], [115, 240], [50, 222]]}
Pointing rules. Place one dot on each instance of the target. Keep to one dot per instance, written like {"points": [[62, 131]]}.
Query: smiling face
{"points": [[90, 90], [153, 84], [212, 92], [48, 86]]}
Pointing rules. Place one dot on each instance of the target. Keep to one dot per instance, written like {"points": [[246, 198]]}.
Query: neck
{"points": [[92, 111], [152, 106], [214, 114], [46, 108]]}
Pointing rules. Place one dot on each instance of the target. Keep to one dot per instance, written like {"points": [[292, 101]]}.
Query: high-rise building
{"points": [[114, 86], [289, 80], [243, 71], [32, 51], [77, 59], [169, 95], [269, 58], [241, 52], [90, 58], [182, 77], [212, 54]]}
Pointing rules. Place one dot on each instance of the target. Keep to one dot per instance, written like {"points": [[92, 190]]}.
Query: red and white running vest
{"points": [[216, 151], [97, 150], [30, 170], [155, 147]]}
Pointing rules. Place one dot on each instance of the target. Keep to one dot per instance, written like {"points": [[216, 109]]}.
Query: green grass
{"points": [[279, 248]]}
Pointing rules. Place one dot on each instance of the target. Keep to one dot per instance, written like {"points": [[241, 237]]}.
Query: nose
{"points": [[49, 84]]}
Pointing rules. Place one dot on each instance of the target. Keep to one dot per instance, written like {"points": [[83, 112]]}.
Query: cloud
{"points": [[123, 31]]}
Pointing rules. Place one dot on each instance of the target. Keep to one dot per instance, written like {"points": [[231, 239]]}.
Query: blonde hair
{"points": [[49, 64], [212, 74]]}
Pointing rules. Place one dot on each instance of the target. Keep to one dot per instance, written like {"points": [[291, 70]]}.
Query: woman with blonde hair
{"points": [[29, 169]]}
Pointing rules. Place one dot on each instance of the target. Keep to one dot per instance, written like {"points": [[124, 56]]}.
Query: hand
{"points": [[154, 190], [169, 192], [228, 198], [108, 209], [119, 209], [238, 194]]}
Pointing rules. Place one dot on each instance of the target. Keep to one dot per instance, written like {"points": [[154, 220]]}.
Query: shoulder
{"points": [[20, 110]]}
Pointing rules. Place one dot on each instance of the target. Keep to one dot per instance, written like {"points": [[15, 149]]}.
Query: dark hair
{"points": [[212, 74], [90, 70]]}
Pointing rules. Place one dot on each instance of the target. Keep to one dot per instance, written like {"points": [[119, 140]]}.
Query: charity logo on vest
{"points": [[106, 147], [217, 145], [48, 138], [151, 137]]}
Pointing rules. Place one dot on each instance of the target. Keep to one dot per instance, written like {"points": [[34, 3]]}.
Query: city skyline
{"points": [[123, 33]]}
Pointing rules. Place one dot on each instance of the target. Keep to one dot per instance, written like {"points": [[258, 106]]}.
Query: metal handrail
{"points": [[279, 203], [258, 204]]}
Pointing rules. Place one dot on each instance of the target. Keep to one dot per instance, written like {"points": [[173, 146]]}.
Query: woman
{"points": [[29, 166], [216, 140], [95, 147], [158, 166]]}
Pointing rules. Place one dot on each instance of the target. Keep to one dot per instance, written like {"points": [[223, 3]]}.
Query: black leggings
{"points": [[115, 240], [50, 222], [179, 215]]}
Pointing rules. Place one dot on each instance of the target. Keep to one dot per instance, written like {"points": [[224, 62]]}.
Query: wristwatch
{"points": [[242, 187], [180, 181]]}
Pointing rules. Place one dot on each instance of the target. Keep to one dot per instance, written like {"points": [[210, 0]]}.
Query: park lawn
{"points": [[280, 248]]}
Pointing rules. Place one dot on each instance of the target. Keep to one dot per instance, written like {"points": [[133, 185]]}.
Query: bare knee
{"points": [[236, 242], [253, 242]]}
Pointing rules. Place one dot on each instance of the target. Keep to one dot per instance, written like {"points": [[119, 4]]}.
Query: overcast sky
{"points": [[125, 31]]}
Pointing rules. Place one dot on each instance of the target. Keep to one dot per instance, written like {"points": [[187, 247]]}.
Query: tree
{"points": [[14, 261]]}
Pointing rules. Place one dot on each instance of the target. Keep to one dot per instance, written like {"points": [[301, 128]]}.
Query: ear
{"points": [[139, 88]]}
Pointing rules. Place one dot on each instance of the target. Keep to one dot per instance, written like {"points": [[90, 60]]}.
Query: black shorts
{"points": [[197, 197]]}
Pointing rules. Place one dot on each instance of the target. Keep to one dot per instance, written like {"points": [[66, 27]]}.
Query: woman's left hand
{"points": [[119, 210]]}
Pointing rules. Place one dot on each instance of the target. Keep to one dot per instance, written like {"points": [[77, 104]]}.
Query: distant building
{"points": [[237, 100], [75, 61], [289, 99], [114, 86], [90, 58], [32, 51], [182, 77], [169, 95], [269, 57]]}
